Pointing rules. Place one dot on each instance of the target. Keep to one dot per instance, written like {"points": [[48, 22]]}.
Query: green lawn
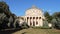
{"points": [[38, 31]]}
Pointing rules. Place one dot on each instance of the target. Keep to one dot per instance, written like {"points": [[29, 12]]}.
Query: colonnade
{"points": [[33, 21]]}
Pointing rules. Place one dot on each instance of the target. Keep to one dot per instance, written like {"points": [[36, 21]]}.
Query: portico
{"points": [[34, 16], [33, 21]]}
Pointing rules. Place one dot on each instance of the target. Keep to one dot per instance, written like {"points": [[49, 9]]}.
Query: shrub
{"points": [[45, 24], [56, 23], [24, 25]]}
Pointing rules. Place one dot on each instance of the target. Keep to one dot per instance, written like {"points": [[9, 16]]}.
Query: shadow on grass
{"points": [[9, 31]]}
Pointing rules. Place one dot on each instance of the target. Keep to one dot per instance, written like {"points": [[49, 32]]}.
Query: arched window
{"points": [[36, 17], [33, 17], [39, 17], [27, 17]]}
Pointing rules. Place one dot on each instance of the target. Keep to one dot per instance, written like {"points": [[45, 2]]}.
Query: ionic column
{"points": [[35, 21], [29, 21], [38, 21], [32, 21]]}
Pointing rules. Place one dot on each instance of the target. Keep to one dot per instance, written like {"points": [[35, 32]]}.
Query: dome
{"points": [[34, 11]]}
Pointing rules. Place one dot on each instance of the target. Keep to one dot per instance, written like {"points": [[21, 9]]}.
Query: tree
{"points": [[5, 8], [56, 15], [6, 17], [45, 24], [56, 20], [48, 16]]}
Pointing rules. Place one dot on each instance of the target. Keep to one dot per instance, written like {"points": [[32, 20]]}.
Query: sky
{"points": [[19, 7]]}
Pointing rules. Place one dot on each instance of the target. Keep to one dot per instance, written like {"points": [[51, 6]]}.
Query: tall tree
{"points": [[56, 16], [6, 17], [48, 16]]}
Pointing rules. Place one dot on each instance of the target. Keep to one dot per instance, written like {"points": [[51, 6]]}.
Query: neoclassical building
{"points": [[34, 16]]}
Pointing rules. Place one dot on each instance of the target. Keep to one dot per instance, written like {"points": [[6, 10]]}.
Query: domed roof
{"points": [[33, 11]]}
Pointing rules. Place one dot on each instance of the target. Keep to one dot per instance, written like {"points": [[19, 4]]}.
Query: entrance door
{"points": [[33, 23]]}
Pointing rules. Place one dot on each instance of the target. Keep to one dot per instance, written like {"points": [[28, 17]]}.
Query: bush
{"points": [[24, 25], [45, 24], [56, 23]]}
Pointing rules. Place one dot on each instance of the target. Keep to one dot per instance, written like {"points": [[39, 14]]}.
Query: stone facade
{"points": [[34, 16]]}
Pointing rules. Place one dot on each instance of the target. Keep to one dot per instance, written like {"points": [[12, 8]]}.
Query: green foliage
{"points": [[48, 17], [56, 15], [45, 24], [46, 14], [24, 25], [6, 17], [56, 20], [56, 23]]}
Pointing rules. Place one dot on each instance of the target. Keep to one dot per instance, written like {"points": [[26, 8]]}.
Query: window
{"points": [[39, 17], [33, 17], [27, 17], [36, 17]]}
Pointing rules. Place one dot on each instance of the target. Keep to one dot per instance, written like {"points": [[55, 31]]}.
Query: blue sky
{"points": [[19, 7]]}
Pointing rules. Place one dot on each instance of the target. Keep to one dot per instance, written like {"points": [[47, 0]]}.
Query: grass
{"points": [[38, 31]]}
